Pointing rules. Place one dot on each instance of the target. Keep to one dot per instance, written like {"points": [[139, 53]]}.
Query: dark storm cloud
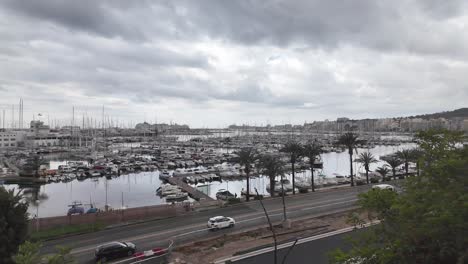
{"points": [[381, 25], [281, 22], [337, 56], [86, 15]]}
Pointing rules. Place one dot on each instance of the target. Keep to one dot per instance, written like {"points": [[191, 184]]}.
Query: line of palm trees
{"points": [[351, 141], [271, 165], [401, 157]]}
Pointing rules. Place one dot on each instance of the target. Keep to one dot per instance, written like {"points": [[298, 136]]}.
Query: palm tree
{"points": [[416, 155], [247, 157], [366, 159], [383, 170], [312, 151], [394, 162], [350, 141], [406, 157], [271, 166], [294, 150]]}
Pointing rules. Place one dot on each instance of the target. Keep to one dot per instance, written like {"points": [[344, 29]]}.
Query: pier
{"points": [[194, 193]]}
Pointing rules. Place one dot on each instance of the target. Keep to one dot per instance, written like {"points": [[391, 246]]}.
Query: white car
{"points": [[384, 187], [219, 222]]}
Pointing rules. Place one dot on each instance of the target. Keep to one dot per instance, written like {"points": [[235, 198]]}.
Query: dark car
{"points": [[75, 210], [114, 250]]}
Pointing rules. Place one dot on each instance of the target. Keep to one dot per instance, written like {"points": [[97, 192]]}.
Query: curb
{"points": [[288, 244], [266, 226]]}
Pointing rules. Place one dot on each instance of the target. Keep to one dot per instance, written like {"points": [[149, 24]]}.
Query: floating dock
{"points": [[193, 192]]}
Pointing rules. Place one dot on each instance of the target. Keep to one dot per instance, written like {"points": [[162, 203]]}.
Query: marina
{"points": [[137, 184]]}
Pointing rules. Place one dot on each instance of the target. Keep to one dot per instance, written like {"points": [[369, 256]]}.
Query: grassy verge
{"points": [[65, 230]]}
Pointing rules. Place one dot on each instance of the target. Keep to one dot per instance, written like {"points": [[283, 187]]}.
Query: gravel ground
{"points": [[206, 251]]}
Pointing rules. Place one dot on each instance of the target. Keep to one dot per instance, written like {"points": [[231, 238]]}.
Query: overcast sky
{"points": [[215, 63]]}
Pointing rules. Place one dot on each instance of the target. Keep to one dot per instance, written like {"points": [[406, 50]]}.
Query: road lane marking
{"points": [[296, 205], [285, 245], [310, 208], [136, 238]]}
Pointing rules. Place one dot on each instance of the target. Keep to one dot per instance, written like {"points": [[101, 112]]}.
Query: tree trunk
{"points": [[417, 168], [312, 183], [367, 175], [293, 179], [394, 173], [282, 198], [351, 165], [247, 195], [272, 186], [406, 169]]}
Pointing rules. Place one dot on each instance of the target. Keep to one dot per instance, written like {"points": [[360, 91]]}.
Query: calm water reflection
{"points": [[333, 163], [136, 189], [139, 189]]}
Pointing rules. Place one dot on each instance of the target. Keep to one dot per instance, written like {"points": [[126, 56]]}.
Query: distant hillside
{"points": [[462, 112]]}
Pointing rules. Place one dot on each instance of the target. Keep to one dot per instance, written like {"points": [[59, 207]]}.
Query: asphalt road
{"points": [[315, 251], [190, 227]]}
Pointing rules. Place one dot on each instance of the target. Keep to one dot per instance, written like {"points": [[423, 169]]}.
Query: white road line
{"points": [[136, 238], [314, 207], [285, 245]]}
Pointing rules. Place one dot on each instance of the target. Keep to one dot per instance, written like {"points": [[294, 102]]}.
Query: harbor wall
{"points": [[112, 217]]}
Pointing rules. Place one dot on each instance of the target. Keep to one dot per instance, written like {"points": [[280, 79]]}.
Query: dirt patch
{"points": [[209, 250]]}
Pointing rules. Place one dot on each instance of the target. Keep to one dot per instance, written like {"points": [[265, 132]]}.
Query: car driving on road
{"points": [[114, 250], [219, 222]]}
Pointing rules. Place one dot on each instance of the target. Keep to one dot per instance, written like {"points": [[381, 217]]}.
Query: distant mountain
{"points": [[462, 112]]}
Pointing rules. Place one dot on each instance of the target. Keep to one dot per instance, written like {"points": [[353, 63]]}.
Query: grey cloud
{"points": [[442, 9], [382, 25], [97, 17], [132, 51]]}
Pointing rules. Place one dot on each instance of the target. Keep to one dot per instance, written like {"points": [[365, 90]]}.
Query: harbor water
{"points": [[139, 189]]}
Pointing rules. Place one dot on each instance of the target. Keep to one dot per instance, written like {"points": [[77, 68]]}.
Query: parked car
{"points": [[219, 222], [75, 210], [384, 187], [114, 250], [223, 194], [92, 210]]}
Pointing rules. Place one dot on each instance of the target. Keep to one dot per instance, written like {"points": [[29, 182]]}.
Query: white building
{"points": [[38, 128], [11, 139], [465, 125], [49, 140]]}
